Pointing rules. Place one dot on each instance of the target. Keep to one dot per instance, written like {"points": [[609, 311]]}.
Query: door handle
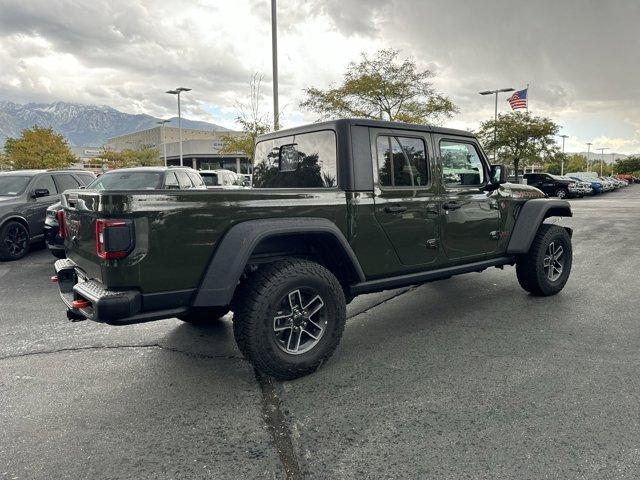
{"points": [[395, 209], [453, 205]]}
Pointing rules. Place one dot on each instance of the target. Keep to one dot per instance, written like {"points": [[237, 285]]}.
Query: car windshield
{"points": [[126, 181], [13, 185]]}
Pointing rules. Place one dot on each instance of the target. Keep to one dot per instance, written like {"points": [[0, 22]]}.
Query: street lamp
{"points": [[495, 117], [164, 143], [588, 152], [601, 157], [564, 137], [274, 59], [177, 92]]}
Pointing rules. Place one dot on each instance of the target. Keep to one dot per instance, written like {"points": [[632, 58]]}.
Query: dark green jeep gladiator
{"points": [[337, 209]]}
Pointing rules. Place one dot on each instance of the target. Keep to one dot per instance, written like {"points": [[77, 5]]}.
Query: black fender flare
{"points": [[16, 217], [230, 258], [530, 217]]}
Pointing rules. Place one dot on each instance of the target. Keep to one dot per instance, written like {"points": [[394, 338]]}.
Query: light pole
{"points": [[164, 143], [564, 137], [601, 157], [177, 92], [274, 59], [588, 152], [495, 116]]}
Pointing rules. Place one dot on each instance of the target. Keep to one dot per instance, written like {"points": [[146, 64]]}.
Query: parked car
{"points": [[24, 198], [217, 179], [337, 209], [579, 188], [607, 184], [596, 185], [139, 178], [552, 185]]}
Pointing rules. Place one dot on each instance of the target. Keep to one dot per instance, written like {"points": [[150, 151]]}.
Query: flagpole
{"points": [[528, 98]]}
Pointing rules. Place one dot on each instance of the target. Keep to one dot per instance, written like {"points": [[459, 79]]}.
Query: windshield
{"points": [[127, 181], [13, 185]]}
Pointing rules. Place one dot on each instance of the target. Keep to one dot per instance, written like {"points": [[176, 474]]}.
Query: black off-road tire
{"points": [[530, 268], [204, 315], [8, 238], [256, 304]]}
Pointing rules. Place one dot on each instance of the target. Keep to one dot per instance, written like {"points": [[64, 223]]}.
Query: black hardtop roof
{"points": [[364, 122]]}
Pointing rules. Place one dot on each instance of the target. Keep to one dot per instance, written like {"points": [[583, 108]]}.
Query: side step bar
{"points": [[429, 276]]}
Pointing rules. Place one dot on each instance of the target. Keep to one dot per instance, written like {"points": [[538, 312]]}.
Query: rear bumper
{"points": [[121, 307]]}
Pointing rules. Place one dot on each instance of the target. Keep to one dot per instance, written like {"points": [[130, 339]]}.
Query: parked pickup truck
{"points": [[337, 209]]}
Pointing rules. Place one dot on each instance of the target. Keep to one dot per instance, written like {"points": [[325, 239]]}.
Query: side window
{"points": [[402, 161], [307, 160], [45, 181], [461, 164], [64, 181], [183, 178], [196, 179], [85, 178], [171, 181]]}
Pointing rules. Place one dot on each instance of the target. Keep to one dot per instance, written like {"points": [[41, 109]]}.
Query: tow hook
{"points": [[75, 317]]}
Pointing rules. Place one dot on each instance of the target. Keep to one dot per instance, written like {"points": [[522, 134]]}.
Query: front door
{"points": [[470, 216], [405, 195], [36, 209]]}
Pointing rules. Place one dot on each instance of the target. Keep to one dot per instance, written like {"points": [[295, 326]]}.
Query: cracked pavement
{"points": [[465, 378]]}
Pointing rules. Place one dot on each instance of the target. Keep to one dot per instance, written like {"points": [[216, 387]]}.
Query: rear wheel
{"points": [[545, 269], [14, 241], [289, 318], [203, 315]]}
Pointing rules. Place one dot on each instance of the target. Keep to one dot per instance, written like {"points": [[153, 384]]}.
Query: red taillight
{"points": [[113, 238], [78, 304], [62, 231]]}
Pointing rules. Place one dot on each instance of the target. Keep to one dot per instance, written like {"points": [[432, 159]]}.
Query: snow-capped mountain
{"points": [[88, 125]]}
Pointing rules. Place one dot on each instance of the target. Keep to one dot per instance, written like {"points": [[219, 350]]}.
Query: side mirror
{"points": [[498, 174], [40, 192]]}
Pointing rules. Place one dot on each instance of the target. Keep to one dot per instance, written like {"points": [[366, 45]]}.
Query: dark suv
{"points": [[138, 178], [552, 185], [24, 198]]}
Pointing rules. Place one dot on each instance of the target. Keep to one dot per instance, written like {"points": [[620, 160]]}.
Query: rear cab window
{"points": [[305, 160], [184, 180]]}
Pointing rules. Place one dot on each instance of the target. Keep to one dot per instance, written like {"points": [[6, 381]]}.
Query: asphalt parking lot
{"points": [[466, 378]]}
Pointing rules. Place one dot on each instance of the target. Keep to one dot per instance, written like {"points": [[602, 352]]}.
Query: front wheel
{"points": [[544, 271], [562, 193], [14, 241], [289, 318]]}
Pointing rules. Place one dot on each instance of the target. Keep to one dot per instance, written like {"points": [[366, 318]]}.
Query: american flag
{"points": [[518, 99]]}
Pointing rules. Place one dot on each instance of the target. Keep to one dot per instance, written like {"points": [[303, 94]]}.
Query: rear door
{"points": [[470, 217], [405, 195]]}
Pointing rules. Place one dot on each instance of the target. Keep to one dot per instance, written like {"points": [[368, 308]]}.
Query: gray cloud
{"points": [[578, 55]]}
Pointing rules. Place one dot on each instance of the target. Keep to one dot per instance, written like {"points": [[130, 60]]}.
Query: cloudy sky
{"points": [[581, 57]]}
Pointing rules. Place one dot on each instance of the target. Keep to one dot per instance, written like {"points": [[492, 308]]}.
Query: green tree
{"points": [[252, 121], [382, 87], [575, 163], [38, 147], [628, 165], [519, 138], [144, 157]]}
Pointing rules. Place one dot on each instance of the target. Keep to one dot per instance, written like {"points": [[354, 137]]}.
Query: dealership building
{"points": [[200, 148]]}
